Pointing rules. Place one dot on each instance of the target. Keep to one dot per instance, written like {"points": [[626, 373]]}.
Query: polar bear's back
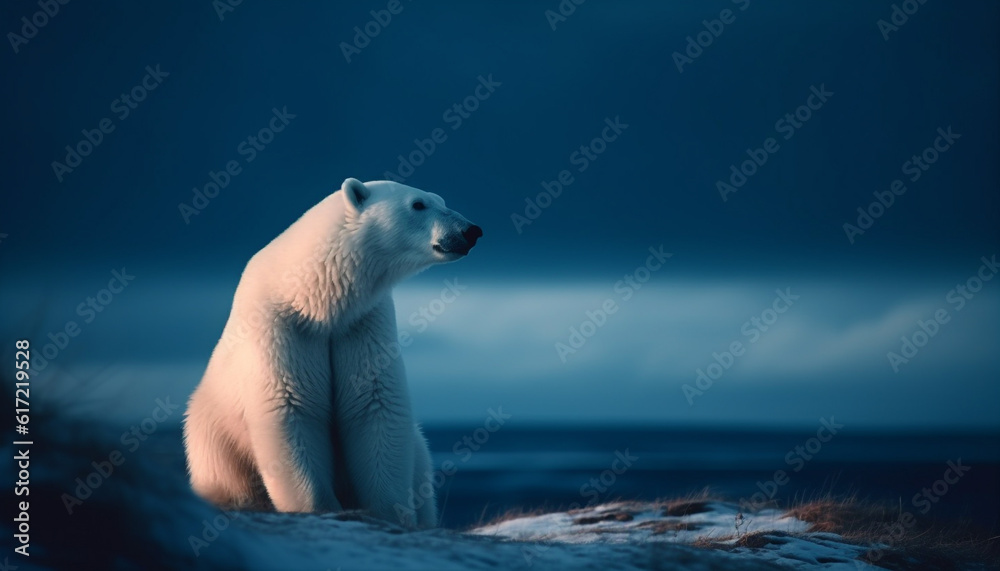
{"points": [[292, 272], [302, 242]]}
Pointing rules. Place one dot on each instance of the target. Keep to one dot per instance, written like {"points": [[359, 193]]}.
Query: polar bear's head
{"points": [[406, 226]]}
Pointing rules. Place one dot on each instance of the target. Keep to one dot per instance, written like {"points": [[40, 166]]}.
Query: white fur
{"points": [[288, 414]]}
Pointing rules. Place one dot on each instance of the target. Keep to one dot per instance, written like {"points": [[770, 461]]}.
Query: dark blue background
{"points": [[654, 185]]}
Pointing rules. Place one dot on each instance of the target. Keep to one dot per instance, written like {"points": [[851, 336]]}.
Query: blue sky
{"points": [[654, 180]]}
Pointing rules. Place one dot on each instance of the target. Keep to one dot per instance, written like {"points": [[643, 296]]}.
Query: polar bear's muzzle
{"points": [[460, 244]]}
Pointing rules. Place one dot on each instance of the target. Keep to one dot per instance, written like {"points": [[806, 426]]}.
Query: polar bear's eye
{"points": [[419, 205]]}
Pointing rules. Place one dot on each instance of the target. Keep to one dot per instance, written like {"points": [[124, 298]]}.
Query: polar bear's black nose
{"points": [[471, 234]]}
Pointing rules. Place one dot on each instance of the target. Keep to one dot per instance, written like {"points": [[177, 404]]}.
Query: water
{"points": [[552, 468], [483, 474]]}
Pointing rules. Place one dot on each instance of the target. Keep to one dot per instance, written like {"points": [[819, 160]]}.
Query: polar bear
{"points": [[304, 405]]}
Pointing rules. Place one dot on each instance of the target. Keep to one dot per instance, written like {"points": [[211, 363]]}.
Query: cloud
{"points": [[496, 344], [667, 332]]}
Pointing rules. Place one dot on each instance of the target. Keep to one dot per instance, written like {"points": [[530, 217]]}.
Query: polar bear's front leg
{"points": [[294, 459], [374, 417], [423, 482], [290, 428], [379, 460]]}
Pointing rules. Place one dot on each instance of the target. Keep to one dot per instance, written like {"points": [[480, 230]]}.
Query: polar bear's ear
{"points": [[355, 193]]}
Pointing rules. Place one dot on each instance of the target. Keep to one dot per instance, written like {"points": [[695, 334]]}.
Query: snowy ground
{"points": [[686, 535], [778, 539], [611, 536], [142, 515]]}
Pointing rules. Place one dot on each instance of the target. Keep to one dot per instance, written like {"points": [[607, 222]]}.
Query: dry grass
{"points": [[848, 517], [687, 505], [610, 516], [758, 539], [911, 543], [867, 523], [668, 526]]}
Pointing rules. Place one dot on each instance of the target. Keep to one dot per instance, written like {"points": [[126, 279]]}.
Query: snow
{"points": [[145, 516], [646, 523], [783, 539], [623, 535]]}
